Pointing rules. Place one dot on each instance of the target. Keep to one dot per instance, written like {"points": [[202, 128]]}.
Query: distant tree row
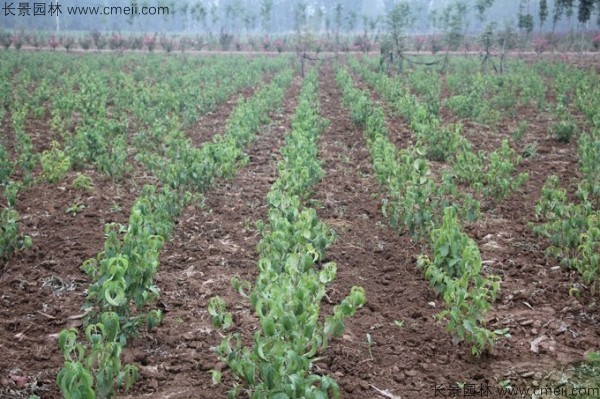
{"points": [[330, 17]]}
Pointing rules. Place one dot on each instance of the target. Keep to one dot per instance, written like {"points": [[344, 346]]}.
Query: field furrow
{"points": [[213, 242], [208, 225]]}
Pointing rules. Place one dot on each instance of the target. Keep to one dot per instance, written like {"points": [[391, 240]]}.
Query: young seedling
{"points": [[74, 209], [83, 182]]}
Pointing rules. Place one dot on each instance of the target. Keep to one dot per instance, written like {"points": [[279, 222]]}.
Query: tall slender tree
{"points": [[454, 23], [399, 20], [525, 19], [198, 12], [338, 10], [569, 7], [557, 14], [586, 7], [481, 6], [351, 18], [300, 20], [543, 13], [266, 8]]}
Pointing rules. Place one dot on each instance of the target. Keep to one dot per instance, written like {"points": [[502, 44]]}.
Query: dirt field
{"points": [[42, 289]]}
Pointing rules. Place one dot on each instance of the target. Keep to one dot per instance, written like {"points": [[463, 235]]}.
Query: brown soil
{"points": [[534, 300], [212, 123], [213, 242], [216, 239], [36, 128], [43, 287]]}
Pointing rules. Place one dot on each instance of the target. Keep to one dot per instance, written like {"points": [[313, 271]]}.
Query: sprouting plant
{"points": [[399, 323], [92, 370], [499, 180], [442, 143], [247, 224], [506, 384], [6, 166], [292, 278], [530, 150], [563, 131], [504, 332], [369, 345], [27, 159], [574, 291], [75, 208], [455, 273], [572, 230], [11, 191], [55, 164], [215, 376], [10, 239], [519, 132], [218, 315], [83, 182], [114, 161]]}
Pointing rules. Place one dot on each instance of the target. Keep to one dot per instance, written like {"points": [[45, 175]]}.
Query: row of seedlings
{"points": [[572, 226], [493, 175], [122, 275], [101, 109], [292, 279], [416, 201]]}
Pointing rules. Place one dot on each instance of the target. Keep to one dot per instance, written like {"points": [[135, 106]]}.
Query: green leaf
{"points": [[469, 325], [215, 377], [114, 293]]}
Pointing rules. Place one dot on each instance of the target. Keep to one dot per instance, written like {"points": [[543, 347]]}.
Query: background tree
{"points": [[167, 19], [184, 10], [399, 20], [300, 19], [568, 6], [454, 23], [481, 6], [507, 37], [525, 19], [249, 20], [338, 12], [351, 19], [214, 16], [487, 39], [557, 14], [318, 18], [433, 18], [369, 27], [232, 12], [266, 8], [586, 7], [198, 13], [543, 14]]}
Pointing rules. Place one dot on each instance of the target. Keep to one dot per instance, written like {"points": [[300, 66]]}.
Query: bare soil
{"points": [[41, 289], [534, 300]]}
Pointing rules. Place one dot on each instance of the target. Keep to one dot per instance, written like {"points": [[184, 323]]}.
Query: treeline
{"points": [[253, 17]]}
